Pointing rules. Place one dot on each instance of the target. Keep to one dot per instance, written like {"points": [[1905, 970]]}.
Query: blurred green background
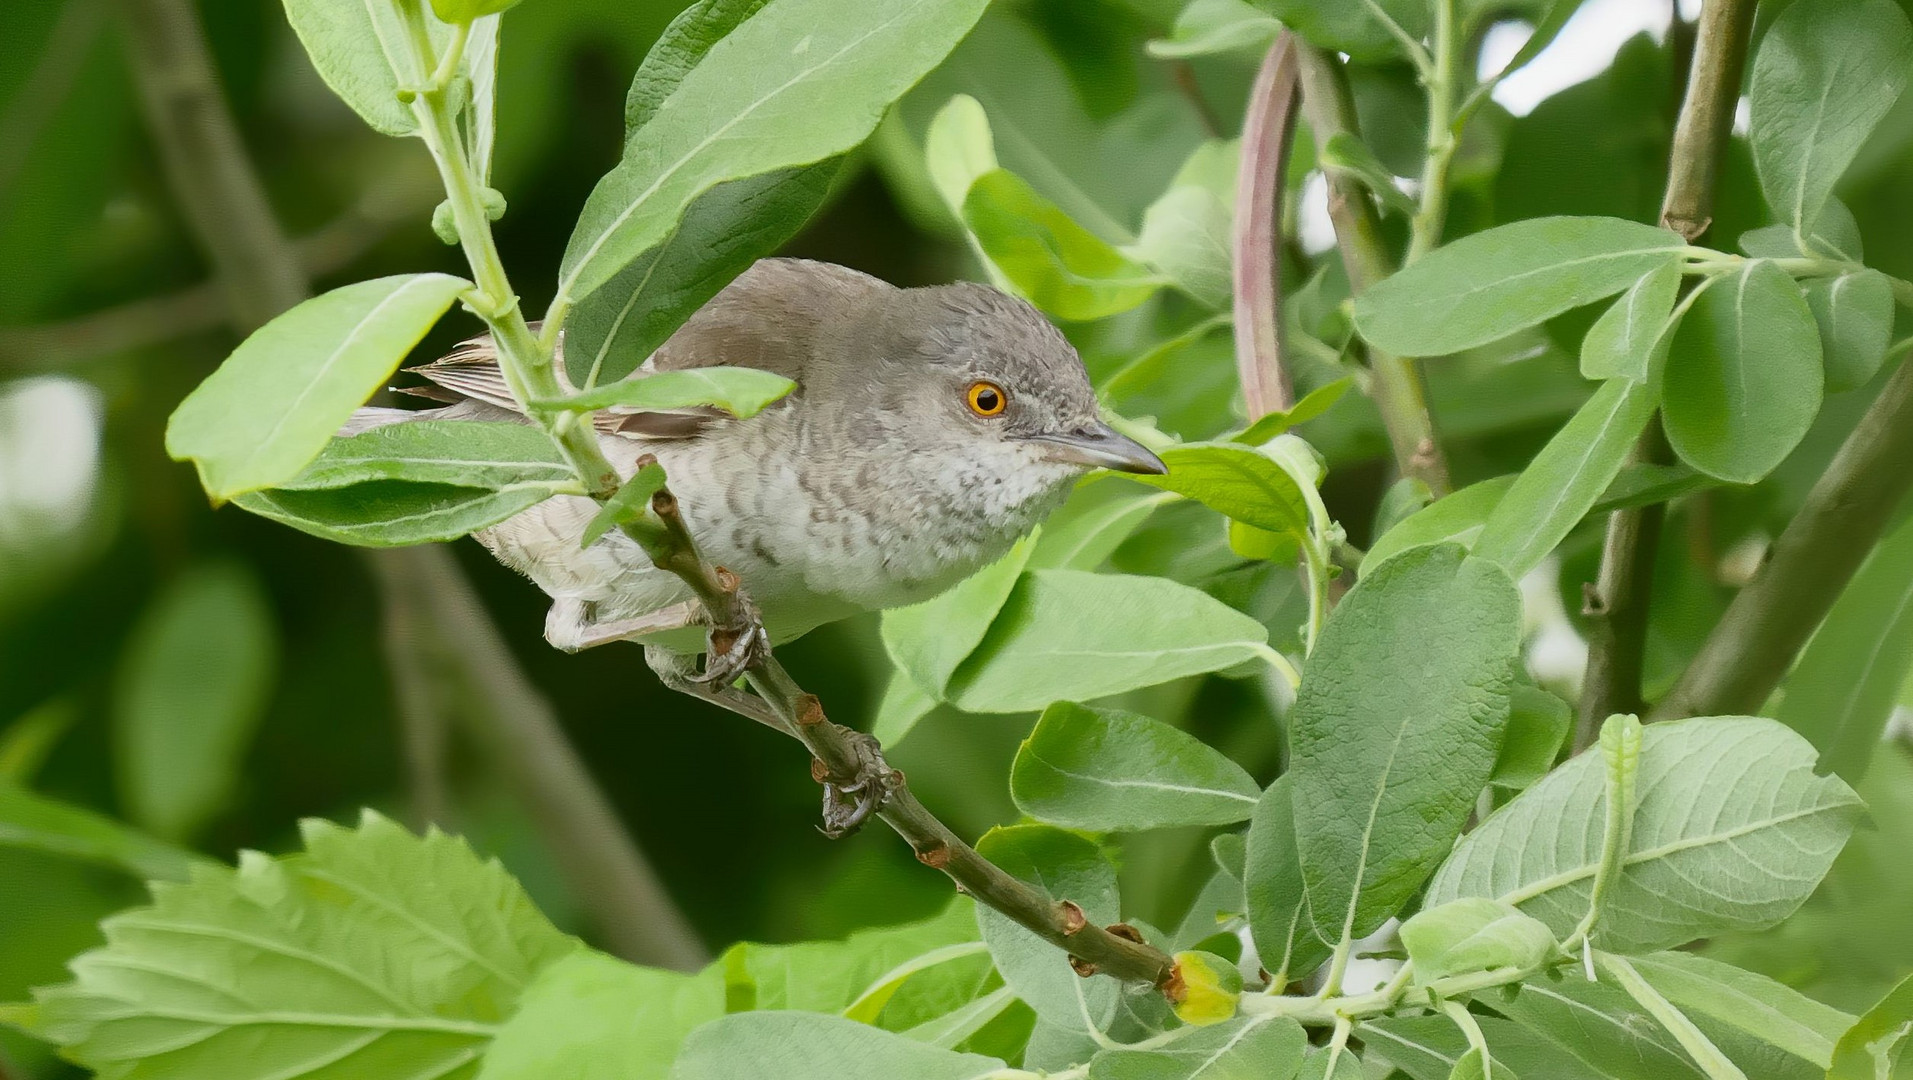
{"points": [[213, 677]]}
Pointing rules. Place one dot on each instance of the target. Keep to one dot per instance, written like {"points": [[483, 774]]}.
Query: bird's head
{"points": [[969, 371]]}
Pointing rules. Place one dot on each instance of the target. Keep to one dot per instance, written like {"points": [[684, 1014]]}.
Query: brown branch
{"points": [[1398, 389], [1771, 619], [848, 759], [1268, 132], [516, 725], [259, 276], [1617, 604]]}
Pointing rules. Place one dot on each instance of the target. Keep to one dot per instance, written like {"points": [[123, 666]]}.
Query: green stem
{"points": [[1465, 1020], [1443, 79]]}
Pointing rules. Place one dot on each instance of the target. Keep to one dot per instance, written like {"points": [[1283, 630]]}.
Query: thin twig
{"points": [[1398, 389], [1268, 131], [1768, 623], [1618, 602], [260, 275], [417, 690], [516, 725]]}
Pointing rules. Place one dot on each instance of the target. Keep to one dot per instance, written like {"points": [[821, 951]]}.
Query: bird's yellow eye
{"points": [[987, 399]]}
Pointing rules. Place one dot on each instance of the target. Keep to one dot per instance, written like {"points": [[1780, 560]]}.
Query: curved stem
{"points": [[1443, 79], [1267, 133]]}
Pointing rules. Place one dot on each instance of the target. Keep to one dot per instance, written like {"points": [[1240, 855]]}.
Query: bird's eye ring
{"points": [[987, 399]]}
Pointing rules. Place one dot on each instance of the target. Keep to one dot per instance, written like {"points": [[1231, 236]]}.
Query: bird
{"points": [[930, 429]]}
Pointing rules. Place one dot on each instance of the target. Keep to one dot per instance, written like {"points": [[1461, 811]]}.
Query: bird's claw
{"points": [[748, 645], [848, 806]]}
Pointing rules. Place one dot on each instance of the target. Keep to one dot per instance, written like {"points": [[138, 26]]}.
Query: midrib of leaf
{"points": [[1740, 326], [1568, 877], [1809, 143], [1128, 653], [1568, 1045], [1153, 785], [1372, 1033], [717, 133], [1196, 1074], [1368, 833], [1537, 523], [1449, 299], [663, 250], [487, 494], [325, 368], [280, 1018], [278, 948], [450, 943]]}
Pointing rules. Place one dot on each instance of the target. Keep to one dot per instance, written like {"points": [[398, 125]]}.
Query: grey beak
{"points": [[1099, 446]]}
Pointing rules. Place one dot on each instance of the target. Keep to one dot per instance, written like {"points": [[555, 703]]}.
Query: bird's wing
{"points": [[768, 319]]}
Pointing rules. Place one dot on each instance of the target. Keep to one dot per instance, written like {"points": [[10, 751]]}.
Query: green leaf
{"points": [[1209, 27], [1702, 851], [1101, 513], [1237, 482], [463, 11], [26, 743], [832, 976], [929, 641], [1567, 477], [191, 688], [1487, 286], [1049, 259], [1111, 771], [800, 81], [1350, 156], [1456, 518], [1868, 1051], [903, 704], [1538, 723], [1472, 934], [1622, 342], [374, 953], [1259, 1048], [810, 1047], [34, 823], [394, 513], [1835, 233], [1848, 679], [628, 506], [1753, 1003], [1357, 29], [595, 1017], [1645, 483], [1279, 918], [1743, 377], [461, 453], [681, 47], [615, 329], [276, 401], [1597, 1026], [1348, 1066], [1430, 1047], [1068, 635], [742, 392], [364, 54], [1824, 77], [1394, 730], [1313, 404], [1062, 866], [1188, 233], [1854, 313]]}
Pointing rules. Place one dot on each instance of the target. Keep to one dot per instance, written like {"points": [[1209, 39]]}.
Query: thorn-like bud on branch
{"points": [[810, 711], [819, 771], [725, 579], [1073, 918], [645, 461], [1125, 931], [1174, 990], [1082, 967], [936, 856], [664, 504]]}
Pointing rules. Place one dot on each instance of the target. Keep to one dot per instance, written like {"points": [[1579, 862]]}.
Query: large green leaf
{"points": [[1357, 29], [804, 1046], [1855, 315], [1237, 481], [191, 689], [1395, 728], [461, 453], [1259, 1048], [1753, 1003], [1597, 1026], [1456, 518], [1848, 680], [1048, 258], [1622, 342], [681, 47], [364, 54], [832, 976], [1101, 513], [930, 640], [1187, 235], [1278, 902], [798, 82], [1564, 480], [394, 513], [1208, 27], [1062, 866], [375, 953], [595, 1017], [1869, 1050], [271, 407], [1111, 771], [1069, 635], [1487, 286], [1743, 379], [1732, 831], [1824, 77], [35, 823], [740, 391]]}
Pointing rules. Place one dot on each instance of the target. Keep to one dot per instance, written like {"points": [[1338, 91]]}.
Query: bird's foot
{"points": [[848, 805], [731, 650]]}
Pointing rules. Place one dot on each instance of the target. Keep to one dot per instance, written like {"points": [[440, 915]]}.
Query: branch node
{"points": [[819, 771], [935, 856], [1126, 932], [1073, 918], [810, 711], [1174, 990], [1081, 966], [726, 581]]}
